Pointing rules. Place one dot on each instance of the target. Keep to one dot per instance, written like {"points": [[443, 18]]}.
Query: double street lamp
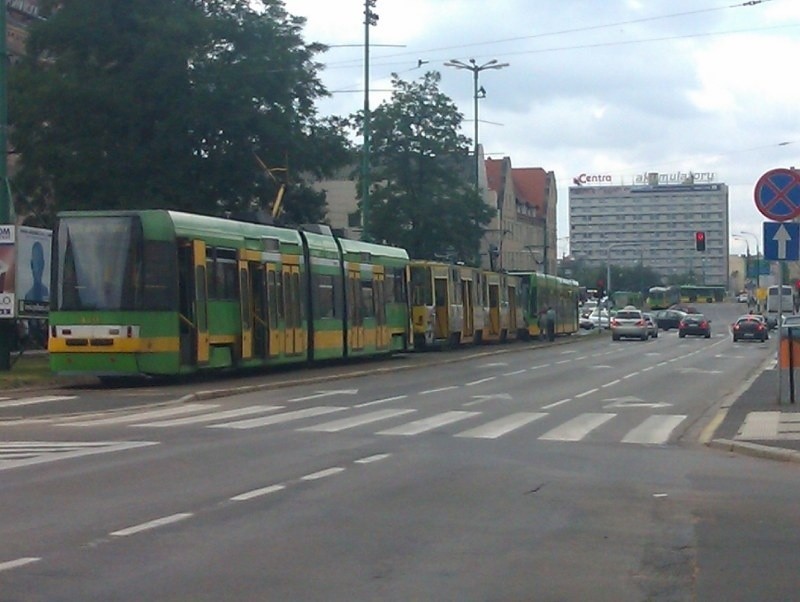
{"points": [[478, 92]]}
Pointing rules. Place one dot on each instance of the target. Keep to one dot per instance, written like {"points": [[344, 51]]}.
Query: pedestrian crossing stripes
{"points": [[775, 426], [652, 430], [14, 454]]}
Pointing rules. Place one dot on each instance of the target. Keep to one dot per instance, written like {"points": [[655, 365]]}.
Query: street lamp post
{"points": [[747, 257], [476, 94], [370, 19]]}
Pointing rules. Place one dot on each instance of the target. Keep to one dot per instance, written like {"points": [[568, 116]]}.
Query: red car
{"points": [[750, 327]]}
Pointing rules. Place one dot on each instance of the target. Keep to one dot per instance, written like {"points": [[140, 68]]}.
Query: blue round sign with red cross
{"points": [[777, 194]]}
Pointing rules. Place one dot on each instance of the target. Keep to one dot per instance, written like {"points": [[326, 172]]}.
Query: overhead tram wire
{"points": [[353, 62]]}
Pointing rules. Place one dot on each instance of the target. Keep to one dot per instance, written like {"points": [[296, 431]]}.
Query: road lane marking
{"points": [[556, 404], [13, 564], [345, 423], [15, 454], [631, 375], [428, 424], [477, 382], [328, 472], [27, 401], [502, 426], [277, 418], [577, 428], [379, 401], [371, 459], [153, 524], [249, 495], [612, 383], [655, 430], [439, 390], [585, 393], [515, 372]]}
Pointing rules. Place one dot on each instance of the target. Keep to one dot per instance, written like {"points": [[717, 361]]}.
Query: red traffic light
{"points": [[700, 240]]}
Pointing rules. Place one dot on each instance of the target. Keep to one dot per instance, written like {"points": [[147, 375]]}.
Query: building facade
{"points": [[655, 224]]}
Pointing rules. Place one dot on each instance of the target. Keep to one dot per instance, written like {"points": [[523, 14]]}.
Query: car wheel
{"points": [[655, 335], [735, 339], [644, 337], [681, 335], [708, 335], [614, 337]]}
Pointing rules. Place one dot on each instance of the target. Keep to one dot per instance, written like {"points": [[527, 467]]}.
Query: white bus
{"points": [[786, 303]]}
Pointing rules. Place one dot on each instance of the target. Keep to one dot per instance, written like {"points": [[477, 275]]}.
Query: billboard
{"points": [[24, 271]]}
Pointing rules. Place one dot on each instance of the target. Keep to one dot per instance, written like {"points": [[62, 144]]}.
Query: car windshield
{"points": [[629, 315], [694, 318]]}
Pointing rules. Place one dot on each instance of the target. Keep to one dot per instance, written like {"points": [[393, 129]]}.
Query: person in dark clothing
{"points": [[550, 319]]}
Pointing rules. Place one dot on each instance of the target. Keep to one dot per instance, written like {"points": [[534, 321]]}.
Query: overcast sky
{"points": [[616, 87]]}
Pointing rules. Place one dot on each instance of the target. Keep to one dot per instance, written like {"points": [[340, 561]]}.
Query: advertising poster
{"points": [[33, 272], [7, 263]]}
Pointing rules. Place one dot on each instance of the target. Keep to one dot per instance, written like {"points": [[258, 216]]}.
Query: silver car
{"points": [[652, 326], [629, 322]]}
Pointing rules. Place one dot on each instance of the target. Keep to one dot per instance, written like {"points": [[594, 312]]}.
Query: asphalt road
{"points": [[563, 472]]}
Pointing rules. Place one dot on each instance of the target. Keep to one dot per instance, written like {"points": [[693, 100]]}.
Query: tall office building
{"points": [[653, 221]]}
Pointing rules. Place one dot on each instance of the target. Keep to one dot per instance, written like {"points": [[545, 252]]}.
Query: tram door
{"points": [[293, 331], [442, 308], [494, 308], [259, 314], [382, 331], [196, 310], [274, 310], [469, 313], [245, 310], [355, 310], [512, 310]]}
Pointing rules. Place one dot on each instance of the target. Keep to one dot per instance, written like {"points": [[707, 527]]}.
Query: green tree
{"points": [[422, 197], [170, 104]]}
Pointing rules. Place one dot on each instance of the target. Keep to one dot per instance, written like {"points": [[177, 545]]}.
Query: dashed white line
{"points": [[378, 401], [557, 403], [13, 564], [631, 375], [370, 459], [611, 384], [249, 495], [439, 390], [328, 472], [563, 362], [585, 393], [540, 366], [475, 382], [515, 372], [153, 524]]}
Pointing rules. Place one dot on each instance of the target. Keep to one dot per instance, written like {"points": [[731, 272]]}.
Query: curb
{"points": [[755, 450]]}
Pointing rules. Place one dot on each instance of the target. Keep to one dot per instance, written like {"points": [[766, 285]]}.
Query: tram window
{"points": [[226, 274], [325, 306], [421, 291], [273, 294], [211, 273], [160, 275], [367, 299]]}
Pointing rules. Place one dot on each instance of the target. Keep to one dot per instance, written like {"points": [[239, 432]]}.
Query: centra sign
{"points": [[584, 179]]}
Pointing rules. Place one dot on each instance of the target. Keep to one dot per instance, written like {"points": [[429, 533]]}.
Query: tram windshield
{"points": [[102, 263]]}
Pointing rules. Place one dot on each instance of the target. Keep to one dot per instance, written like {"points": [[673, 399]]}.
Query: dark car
{"points": [[667, 319], [695, 324], [750, 327]]}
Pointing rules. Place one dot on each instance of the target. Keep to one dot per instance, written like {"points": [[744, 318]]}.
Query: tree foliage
{"points": [[422, 197], [126, 104]]}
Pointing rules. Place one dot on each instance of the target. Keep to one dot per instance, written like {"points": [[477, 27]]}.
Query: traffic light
{"points": [[700, 240]]}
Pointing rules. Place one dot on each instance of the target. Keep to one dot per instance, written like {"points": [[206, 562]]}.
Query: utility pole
{"points": [[7, 324], [370, 19]]}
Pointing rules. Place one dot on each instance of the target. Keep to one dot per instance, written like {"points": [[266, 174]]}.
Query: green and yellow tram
{"points": [[538, 292], [164, 292]]}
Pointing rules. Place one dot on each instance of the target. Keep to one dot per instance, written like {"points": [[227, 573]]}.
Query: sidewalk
{"points": [[756, 424]]}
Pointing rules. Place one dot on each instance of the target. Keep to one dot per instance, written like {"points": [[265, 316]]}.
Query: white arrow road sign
{"points": [[481, 398], [634, 402], [782, 237]]}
